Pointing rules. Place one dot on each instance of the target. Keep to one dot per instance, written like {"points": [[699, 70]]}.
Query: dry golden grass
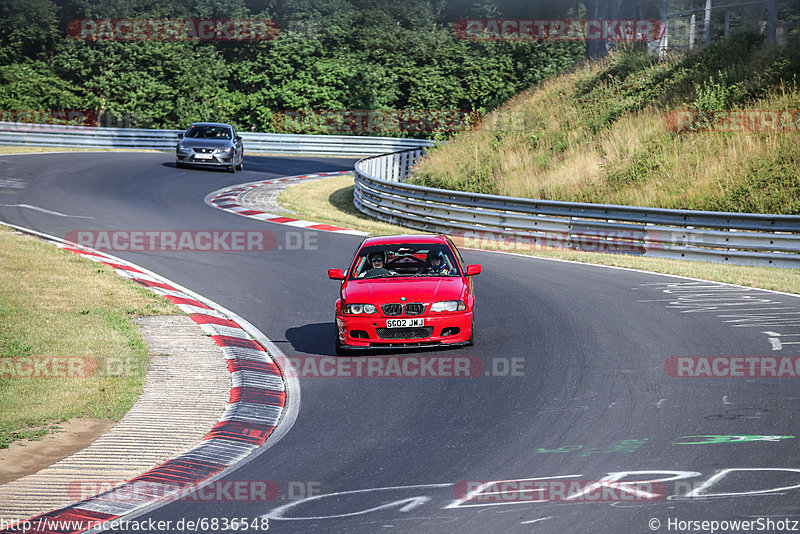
{"points": [[541, 144], [331, 200], [56, 304]]}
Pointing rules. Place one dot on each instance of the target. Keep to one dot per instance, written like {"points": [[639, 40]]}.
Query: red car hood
{"points": [[384, 291]]}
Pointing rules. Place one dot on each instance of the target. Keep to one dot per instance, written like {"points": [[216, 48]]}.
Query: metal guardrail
{"points": [[520, 223], [46, 135]]}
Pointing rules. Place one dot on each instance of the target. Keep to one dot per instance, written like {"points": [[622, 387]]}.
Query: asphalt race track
{"points": [[572, 385]]}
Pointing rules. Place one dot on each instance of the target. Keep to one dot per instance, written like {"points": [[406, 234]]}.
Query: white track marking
{"points": [[532, 521], [45, 210], [408, 504]]}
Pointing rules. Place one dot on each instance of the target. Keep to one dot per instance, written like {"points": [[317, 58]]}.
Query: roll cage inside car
{"points": [[406, 259]]}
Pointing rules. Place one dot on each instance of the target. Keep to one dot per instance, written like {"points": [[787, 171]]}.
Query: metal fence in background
{"points": [[524, 224], [701, 22], [46, 135]]}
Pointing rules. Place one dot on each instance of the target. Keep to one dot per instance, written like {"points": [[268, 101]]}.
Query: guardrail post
{"points": [[707, 24], [664, 46], [772, 22]]}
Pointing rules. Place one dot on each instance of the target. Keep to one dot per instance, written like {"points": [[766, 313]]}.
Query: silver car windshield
{"points": [[209, 132]]}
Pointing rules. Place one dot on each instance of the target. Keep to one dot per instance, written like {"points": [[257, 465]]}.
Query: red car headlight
{"points": [[358, 309], [448, 305]]}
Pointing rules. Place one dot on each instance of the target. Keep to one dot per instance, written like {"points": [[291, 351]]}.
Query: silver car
{"points": [[210, 144]]}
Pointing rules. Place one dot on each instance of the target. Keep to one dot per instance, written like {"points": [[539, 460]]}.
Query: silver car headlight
{"points": [[448, 305], [356, 309], [224, 150], [184, 148]]}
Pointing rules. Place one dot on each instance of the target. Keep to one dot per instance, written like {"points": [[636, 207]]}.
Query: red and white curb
{"points": [[225, 199], [257, 410]]}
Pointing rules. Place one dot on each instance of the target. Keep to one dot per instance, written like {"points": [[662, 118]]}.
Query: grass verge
{"points": [[331, 201], [55, 304]]}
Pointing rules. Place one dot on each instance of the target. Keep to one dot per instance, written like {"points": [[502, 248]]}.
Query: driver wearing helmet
{"points": [[377, 260], [436, 263]]}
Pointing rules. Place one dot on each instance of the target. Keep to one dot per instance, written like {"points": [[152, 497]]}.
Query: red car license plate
{"points": [[404, 323]]}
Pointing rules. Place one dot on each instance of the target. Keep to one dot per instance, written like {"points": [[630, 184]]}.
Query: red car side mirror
{"points": [[472, 270], [337, 274]]}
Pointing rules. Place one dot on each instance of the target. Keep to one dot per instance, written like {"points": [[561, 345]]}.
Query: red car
{"points": [[405, 290]]}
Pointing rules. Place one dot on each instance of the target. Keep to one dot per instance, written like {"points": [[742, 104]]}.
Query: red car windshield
{"points": [[405, 260]]}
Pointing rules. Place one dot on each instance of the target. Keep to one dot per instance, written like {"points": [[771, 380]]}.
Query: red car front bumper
{"points": [[364, 331]]}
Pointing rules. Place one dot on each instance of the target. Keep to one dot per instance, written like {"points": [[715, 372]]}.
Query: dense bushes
{"points": [[332, 55]]}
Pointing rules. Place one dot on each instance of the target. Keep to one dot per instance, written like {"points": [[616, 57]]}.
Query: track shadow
{"points": [[281, 165], [318, 339], [199, 168]]}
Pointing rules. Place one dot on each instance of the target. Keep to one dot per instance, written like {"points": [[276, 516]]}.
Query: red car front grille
{"points": [[414, 308], [392, 309], [405, 333]]}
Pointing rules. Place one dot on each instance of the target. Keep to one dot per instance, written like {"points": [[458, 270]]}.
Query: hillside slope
{"points": [[601, 134]]}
